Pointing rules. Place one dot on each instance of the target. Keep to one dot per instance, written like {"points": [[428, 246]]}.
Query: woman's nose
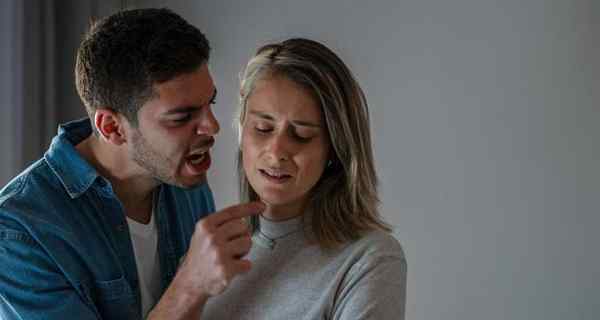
{"points": [[278, 147]]}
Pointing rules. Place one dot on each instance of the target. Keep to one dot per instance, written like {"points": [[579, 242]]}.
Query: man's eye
{"points": [[182, 119]]}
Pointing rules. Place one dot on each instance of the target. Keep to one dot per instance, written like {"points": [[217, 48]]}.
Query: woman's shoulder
{"points": [[377, 255], [376, 245]]}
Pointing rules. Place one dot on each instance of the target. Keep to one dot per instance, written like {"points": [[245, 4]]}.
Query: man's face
{"points": [[175, 130]]}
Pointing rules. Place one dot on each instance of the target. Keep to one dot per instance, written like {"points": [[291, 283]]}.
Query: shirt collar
{"points": [[276, 229], [74, 172]]}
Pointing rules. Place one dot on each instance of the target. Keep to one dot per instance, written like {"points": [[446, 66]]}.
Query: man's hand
{"points": [[214, 258], [217, 248]]}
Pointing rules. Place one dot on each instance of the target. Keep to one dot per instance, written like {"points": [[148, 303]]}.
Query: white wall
{"points": [[485, 123]]}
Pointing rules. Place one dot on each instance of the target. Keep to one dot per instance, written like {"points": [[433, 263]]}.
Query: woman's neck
{"points": [[281, 212]]}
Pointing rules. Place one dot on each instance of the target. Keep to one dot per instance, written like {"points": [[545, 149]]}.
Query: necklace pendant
{"points": [[263, 241]]}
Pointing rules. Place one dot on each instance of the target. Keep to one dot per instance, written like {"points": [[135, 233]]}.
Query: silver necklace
{"points": [[270, 242]]}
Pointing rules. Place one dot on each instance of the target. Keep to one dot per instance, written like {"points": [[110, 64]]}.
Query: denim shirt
{"points": [[65, 248]]}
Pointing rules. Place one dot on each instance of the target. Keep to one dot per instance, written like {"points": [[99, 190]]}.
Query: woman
{"points": [[320, 249]]}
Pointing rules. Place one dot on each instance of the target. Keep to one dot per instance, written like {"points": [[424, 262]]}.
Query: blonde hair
{"points": [[344, 202]]}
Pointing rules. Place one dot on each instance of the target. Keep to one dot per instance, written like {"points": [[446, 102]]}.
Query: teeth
{"points": [[274, 174], [197, 152], [199, 159]]}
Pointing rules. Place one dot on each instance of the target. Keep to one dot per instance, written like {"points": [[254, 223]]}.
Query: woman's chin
{"points": [[274, 202], [277, 209]]}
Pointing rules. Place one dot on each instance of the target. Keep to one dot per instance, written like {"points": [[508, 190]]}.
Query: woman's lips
{"points": [[275, 177]]}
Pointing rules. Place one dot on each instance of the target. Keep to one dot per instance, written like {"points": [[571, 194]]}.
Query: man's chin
{"points": [[190, 182], [184, 182]]}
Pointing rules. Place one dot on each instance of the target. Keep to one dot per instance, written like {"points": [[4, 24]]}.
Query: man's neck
{"points": [[132, 187]]}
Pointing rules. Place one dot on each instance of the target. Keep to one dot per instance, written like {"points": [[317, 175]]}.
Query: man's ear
{"points": [[110, 126]]}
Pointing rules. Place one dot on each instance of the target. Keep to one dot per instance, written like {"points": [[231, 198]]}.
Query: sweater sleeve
{"points": [[374, 288]]}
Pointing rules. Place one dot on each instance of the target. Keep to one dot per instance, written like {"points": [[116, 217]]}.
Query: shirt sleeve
{"points": [[32, 287], [373, 289]]}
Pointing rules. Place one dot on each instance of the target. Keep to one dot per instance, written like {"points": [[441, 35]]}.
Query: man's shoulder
{"points": [[31, 193], [26, 186]]}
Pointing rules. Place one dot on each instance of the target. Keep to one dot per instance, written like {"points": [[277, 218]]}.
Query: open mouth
{"points": [[196, 158], [198, 162], [200, 153], [275, 175]]}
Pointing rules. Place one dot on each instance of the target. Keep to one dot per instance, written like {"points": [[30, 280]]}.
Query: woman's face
{"points": [[285, 145]]}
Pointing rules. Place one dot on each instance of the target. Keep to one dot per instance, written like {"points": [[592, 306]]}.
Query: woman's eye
{"points": [[263, 129], [302, 139], [302, 136]]}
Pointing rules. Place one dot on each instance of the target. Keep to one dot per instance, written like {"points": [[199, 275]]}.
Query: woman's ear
{"points": [[110, 126]]}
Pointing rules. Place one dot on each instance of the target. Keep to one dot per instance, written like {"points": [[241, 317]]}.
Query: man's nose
{"points": [[208, 124]]}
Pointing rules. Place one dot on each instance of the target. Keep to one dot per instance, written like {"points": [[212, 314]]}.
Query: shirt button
{"points": [[101, 182]]}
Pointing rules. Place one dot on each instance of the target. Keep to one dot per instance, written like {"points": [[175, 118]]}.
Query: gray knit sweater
{"points": [[292, 279]]}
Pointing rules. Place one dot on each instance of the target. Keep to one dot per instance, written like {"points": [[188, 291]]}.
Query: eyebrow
{"points": [[266, 116], [192, 108]]}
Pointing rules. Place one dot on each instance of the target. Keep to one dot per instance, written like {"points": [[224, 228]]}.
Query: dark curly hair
{"points": [[123, 55]]}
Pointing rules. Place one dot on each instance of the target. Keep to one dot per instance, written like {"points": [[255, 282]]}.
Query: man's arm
{"points": [[215, 257], [31, 285]]}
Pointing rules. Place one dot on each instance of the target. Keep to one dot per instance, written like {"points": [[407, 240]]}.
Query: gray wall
{"points": [[38, 41], [8, 56], [486, 127], [73, 20], [484, 121]]}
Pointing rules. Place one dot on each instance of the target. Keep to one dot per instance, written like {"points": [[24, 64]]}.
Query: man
{"points": [[107, 224]]}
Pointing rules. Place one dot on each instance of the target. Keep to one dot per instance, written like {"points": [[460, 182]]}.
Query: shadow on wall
{"points": [[38, 90]]}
